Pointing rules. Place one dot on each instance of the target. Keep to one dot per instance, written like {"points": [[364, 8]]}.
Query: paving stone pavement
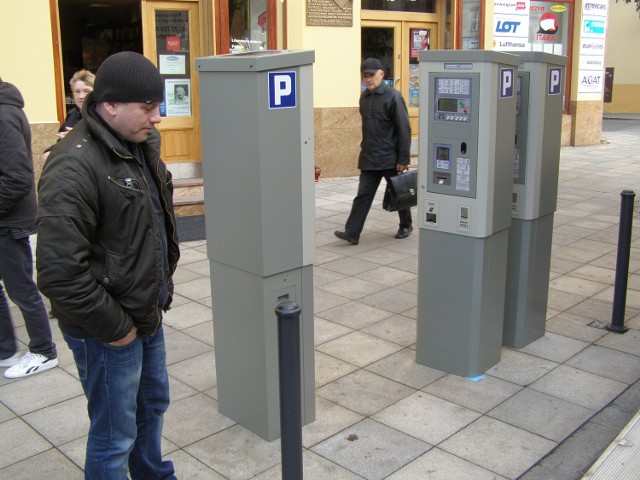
{"points": [[546, 411]]}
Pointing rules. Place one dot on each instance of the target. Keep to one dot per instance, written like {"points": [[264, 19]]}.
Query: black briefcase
{"points": [[401, 191]]}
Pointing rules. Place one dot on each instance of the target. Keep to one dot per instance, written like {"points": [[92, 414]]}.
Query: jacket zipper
{"points": [[153, 223]]}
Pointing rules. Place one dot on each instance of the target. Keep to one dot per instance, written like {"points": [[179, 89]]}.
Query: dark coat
{"points": [[98, 260], [73, 117], [17, 184], [386, 132]]}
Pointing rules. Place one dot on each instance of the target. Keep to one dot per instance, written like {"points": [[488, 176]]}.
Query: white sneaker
{"points": [[30, 364], [10, 361]]}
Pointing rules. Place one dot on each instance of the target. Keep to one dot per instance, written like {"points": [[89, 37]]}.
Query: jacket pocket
{"points": [[112, 273]]}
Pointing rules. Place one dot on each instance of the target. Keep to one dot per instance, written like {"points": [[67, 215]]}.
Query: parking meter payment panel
{"points": [[467, 141]]}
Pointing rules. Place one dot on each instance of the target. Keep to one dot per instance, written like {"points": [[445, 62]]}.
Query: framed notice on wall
{"points": [[330, 13]]}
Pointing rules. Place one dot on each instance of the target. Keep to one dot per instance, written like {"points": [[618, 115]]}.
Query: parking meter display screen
{"points": [[447, 104]]}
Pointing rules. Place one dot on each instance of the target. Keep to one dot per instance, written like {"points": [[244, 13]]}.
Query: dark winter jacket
{"points": [[73, 117], [17, 184], [386, 133], [99, 260]]}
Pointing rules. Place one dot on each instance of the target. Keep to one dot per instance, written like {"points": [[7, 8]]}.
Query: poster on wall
{"points": [[178, 101], [172, 64], [593, 29], [549, 27], [511, 25]]}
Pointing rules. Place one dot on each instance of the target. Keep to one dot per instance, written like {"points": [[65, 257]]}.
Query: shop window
{"points": [[549, 26], [174, 52], [248, 25], [471, 28], [418, 6]]}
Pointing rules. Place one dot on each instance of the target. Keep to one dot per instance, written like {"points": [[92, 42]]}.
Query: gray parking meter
{"points": [[257, 136], [467, 132], [535, 188]]}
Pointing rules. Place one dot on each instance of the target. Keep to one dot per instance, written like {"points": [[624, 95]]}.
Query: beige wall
{"points": [[27, 56], [336, 87], [336, 71], [623, 35]]}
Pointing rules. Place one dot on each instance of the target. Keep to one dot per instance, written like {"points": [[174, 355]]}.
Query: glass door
{"points": [[416, 37], [396, 44], [379, 40], [172, 41]]}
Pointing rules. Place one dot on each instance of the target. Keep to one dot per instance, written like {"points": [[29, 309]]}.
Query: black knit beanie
{"points": [[128, 77]]}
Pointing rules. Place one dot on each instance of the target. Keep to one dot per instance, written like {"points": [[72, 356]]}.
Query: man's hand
{"points": [[131, 336], [62, 134], [401, 167]]}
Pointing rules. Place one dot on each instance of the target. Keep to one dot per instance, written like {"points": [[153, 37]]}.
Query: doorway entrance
{"points": [[169, 33], [396, 44]]}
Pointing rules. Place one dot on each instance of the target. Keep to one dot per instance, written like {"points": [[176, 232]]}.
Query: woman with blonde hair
{"points": [[81, 84]]}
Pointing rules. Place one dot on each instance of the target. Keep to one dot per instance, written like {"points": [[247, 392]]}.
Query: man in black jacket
{"points": [[384, 150], [17, 222], [107, 249]]}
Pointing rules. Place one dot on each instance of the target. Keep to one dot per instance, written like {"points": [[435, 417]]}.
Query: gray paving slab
{"points": [[371, 449]]}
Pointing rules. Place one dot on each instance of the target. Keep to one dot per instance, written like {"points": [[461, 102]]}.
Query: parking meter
{"points": [[465, 175], [541, 83], [257, 134]]}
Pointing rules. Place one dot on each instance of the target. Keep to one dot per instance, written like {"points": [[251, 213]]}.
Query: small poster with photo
{"points": [[178, 100]]}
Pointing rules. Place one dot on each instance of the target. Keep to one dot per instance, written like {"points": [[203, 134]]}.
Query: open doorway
{"points": [[91, 31]]}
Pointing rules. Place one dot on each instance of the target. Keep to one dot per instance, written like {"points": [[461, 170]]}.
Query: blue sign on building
{"points": [[282, 90]]}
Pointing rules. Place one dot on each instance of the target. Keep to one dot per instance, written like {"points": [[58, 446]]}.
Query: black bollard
{"points": [[622, 263], [288, 314]]}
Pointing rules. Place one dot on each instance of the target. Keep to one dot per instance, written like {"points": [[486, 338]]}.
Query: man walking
{"points": [[107, 249], [384, 150], [17, 222]]}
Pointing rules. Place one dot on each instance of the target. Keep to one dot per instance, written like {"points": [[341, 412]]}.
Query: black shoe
{"points": [[343, 236], [404, 232]]}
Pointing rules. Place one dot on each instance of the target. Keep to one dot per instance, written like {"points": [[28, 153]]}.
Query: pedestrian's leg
{"points": [[110, 377], [17, 273], [405, 218], [367, 188], [7, 335], [145, 461], [405, 214]]}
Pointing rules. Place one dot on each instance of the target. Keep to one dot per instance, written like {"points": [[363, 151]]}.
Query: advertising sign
{"points": [[593, 29]]}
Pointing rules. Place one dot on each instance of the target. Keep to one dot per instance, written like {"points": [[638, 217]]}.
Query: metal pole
{"points": [[622, 263], [288, 314]]}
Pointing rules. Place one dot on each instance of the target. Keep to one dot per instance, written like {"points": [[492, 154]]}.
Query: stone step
{"points": [[188, 197]]}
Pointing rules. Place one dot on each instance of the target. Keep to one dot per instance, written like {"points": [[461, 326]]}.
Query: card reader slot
{"points": [[441, 178]]}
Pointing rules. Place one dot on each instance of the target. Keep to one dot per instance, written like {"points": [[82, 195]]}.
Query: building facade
{"points": [[64, 36]]}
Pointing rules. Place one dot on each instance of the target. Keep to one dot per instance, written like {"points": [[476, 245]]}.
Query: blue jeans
{"points": [[367, 188], [16, 272], [127, 390]]}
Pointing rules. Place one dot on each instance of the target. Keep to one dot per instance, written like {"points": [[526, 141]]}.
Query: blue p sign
{"points": [[506, 82], [555, 81], [282, 90]]}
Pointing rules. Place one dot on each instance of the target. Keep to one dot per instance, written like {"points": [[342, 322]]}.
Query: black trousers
{"points": [[367, 188], [16, 273]]}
